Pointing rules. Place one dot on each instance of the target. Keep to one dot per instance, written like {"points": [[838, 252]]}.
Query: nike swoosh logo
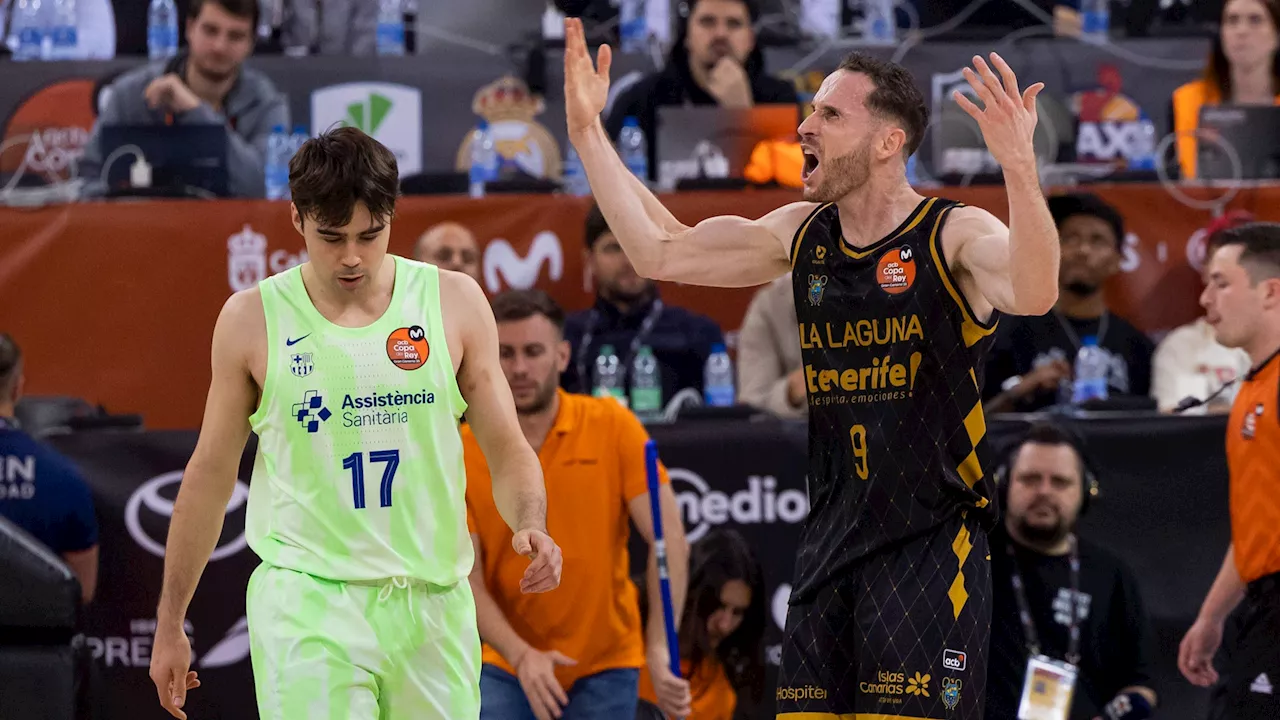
{"points": [[291, 343]]}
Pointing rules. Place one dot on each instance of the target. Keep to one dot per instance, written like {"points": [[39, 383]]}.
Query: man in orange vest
{"points": [[1242, 303]]}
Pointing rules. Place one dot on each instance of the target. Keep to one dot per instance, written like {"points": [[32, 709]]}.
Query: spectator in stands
{"points": [[40, 490], [722, 628], [713, 61], [577, 650], [628, 314], [205, 85], [1189, 361], [1030, 365], [1243, 69], [1065, 581], [452, 247], [770, 373]]}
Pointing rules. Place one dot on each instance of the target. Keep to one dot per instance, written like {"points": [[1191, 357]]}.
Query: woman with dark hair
{"points": [[1243, 69], [721, 629]]}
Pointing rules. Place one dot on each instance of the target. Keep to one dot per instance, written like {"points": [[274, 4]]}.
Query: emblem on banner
{"points": [[817, 285], [1112, 128], [56, 120], [151, 506], [520, 141], [231, 649], [522, 273], [388, 112], [301, 364], [246, 259], [951, 692]]}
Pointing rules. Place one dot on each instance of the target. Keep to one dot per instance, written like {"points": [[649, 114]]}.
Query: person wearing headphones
{"points": [[1069, 630]]}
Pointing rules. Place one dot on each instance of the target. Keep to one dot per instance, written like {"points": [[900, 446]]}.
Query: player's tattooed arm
{"points": [[518, 487]]}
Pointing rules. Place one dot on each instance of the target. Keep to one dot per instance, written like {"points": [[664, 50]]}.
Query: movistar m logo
{"points": [[367, 116]]}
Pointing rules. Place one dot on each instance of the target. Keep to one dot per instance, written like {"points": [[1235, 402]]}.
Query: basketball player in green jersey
{"points": [[353, 369], [897, 297]]}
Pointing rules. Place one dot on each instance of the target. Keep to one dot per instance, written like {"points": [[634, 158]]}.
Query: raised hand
{"points": [[1007, 117], [586, 86]]}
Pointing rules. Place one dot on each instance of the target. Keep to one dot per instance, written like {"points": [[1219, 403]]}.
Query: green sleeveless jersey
{"points": [[359, 473]]}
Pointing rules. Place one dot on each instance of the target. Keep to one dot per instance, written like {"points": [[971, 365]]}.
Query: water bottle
{"points": [[822, 18], [633, 31], [484, 159], [62, 29], [879, 25], [717, 378], [1143, 154], [634, 149], [1091, 371], [277, 170], [297, 139], [646, 384], [606, 379], [162, 30], [390, 28], [28, 27], [1095, 20], [575, 178]]}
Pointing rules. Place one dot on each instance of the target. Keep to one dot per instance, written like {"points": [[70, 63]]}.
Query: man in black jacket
{"points": [[714, 61]]}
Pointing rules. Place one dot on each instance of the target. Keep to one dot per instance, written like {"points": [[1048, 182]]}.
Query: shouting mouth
{"points": [[810, 164]]}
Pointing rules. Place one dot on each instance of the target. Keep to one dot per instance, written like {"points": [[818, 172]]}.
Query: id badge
{"points": [[1047, 691]]}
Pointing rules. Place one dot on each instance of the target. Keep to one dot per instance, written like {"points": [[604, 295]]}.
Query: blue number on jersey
{"points": [[355, 463]]}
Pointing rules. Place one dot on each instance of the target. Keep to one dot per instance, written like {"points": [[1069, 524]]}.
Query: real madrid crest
{"points": [[520, 141], [817, 284]]}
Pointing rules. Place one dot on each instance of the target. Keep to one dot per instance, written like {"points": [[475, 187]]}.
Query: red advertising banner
{"points": [[115, 302]]}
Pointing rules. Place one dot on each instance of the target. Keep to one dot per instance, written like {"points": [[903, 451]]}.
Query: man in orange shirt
{"points": [[1242, 303], [574, 653]]}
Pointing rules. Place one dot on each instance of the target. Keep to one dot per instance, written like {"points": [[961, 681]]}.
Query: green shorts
{"points": [[325, 650]]}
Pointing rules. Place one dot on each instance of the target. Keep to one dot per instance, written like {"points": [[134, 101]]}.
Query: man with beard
{"points": [[206, 85], [575, 653], [713, 61], [1051, 585], [897, 296], [451, 246], [627, 315], [1031, 363]]}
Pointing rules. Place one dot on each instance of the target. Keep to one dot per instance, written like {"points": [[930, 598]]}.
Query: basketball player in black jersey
{"points": [[897, 296]]}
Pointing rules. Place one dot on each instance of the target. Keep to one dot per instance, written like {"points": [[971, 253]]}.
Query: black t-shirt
{"points": [[1116, 644], [1024, 343]]}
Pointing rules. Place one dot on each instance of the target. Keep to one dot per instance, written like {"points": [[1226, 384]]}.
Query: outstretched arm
{"points": [[721, 252], [518, 488], [1014, 267]]}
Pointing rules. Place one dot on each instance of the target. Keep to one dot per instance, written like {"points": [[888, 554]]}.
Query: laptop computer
{"points": [[714, 142], [182, 157], [1252, 131]]}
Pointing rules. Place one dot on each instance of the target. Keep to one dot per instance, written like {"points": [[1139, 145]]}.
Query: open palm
{"points": [[586, 87]]}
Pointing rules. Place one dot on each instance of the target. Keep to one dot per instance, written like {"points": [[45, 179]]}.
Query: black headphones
{"points": [[1050, 433]]}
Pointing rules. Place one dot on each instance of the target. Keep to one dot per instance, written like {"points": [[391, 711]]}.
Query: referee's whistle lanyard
{"points": [[1024, 610], [589, 334]]}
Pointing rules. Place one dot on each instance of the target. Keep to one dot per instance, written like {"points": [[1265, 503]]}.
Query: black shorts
{"points": [[902, 633], [1250, 681]]}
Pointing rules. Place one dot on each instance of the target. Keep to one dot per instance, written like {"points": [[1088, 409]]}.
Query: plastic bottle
{"points": [[277, 169], [63, 34], [880, 27], [717, 378], [646, 384], [484, 159], [28, 29], [390, 27], [634, 149], [633, 30], [606, 378], [162, 29], [574, 180], [1091, 370], [1095, 20]]}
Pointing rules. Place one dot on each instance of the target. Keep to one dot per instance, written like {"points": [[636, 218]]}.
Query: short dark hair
{"points": [[595, 227], [896, 95], [332, 172], [10, 364], [1046, 432], [752, 6], [1068, 205], [247, 9], [1259, 248], [516, 305]]}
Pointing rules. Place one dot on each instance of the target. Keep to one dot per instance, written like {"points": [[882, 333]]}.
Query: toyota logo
{"points": [[151, 501]]}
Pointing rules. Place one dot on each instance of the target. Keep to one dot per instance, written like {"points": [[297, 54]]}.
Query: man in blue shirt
{"points": [[41, 491]]}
